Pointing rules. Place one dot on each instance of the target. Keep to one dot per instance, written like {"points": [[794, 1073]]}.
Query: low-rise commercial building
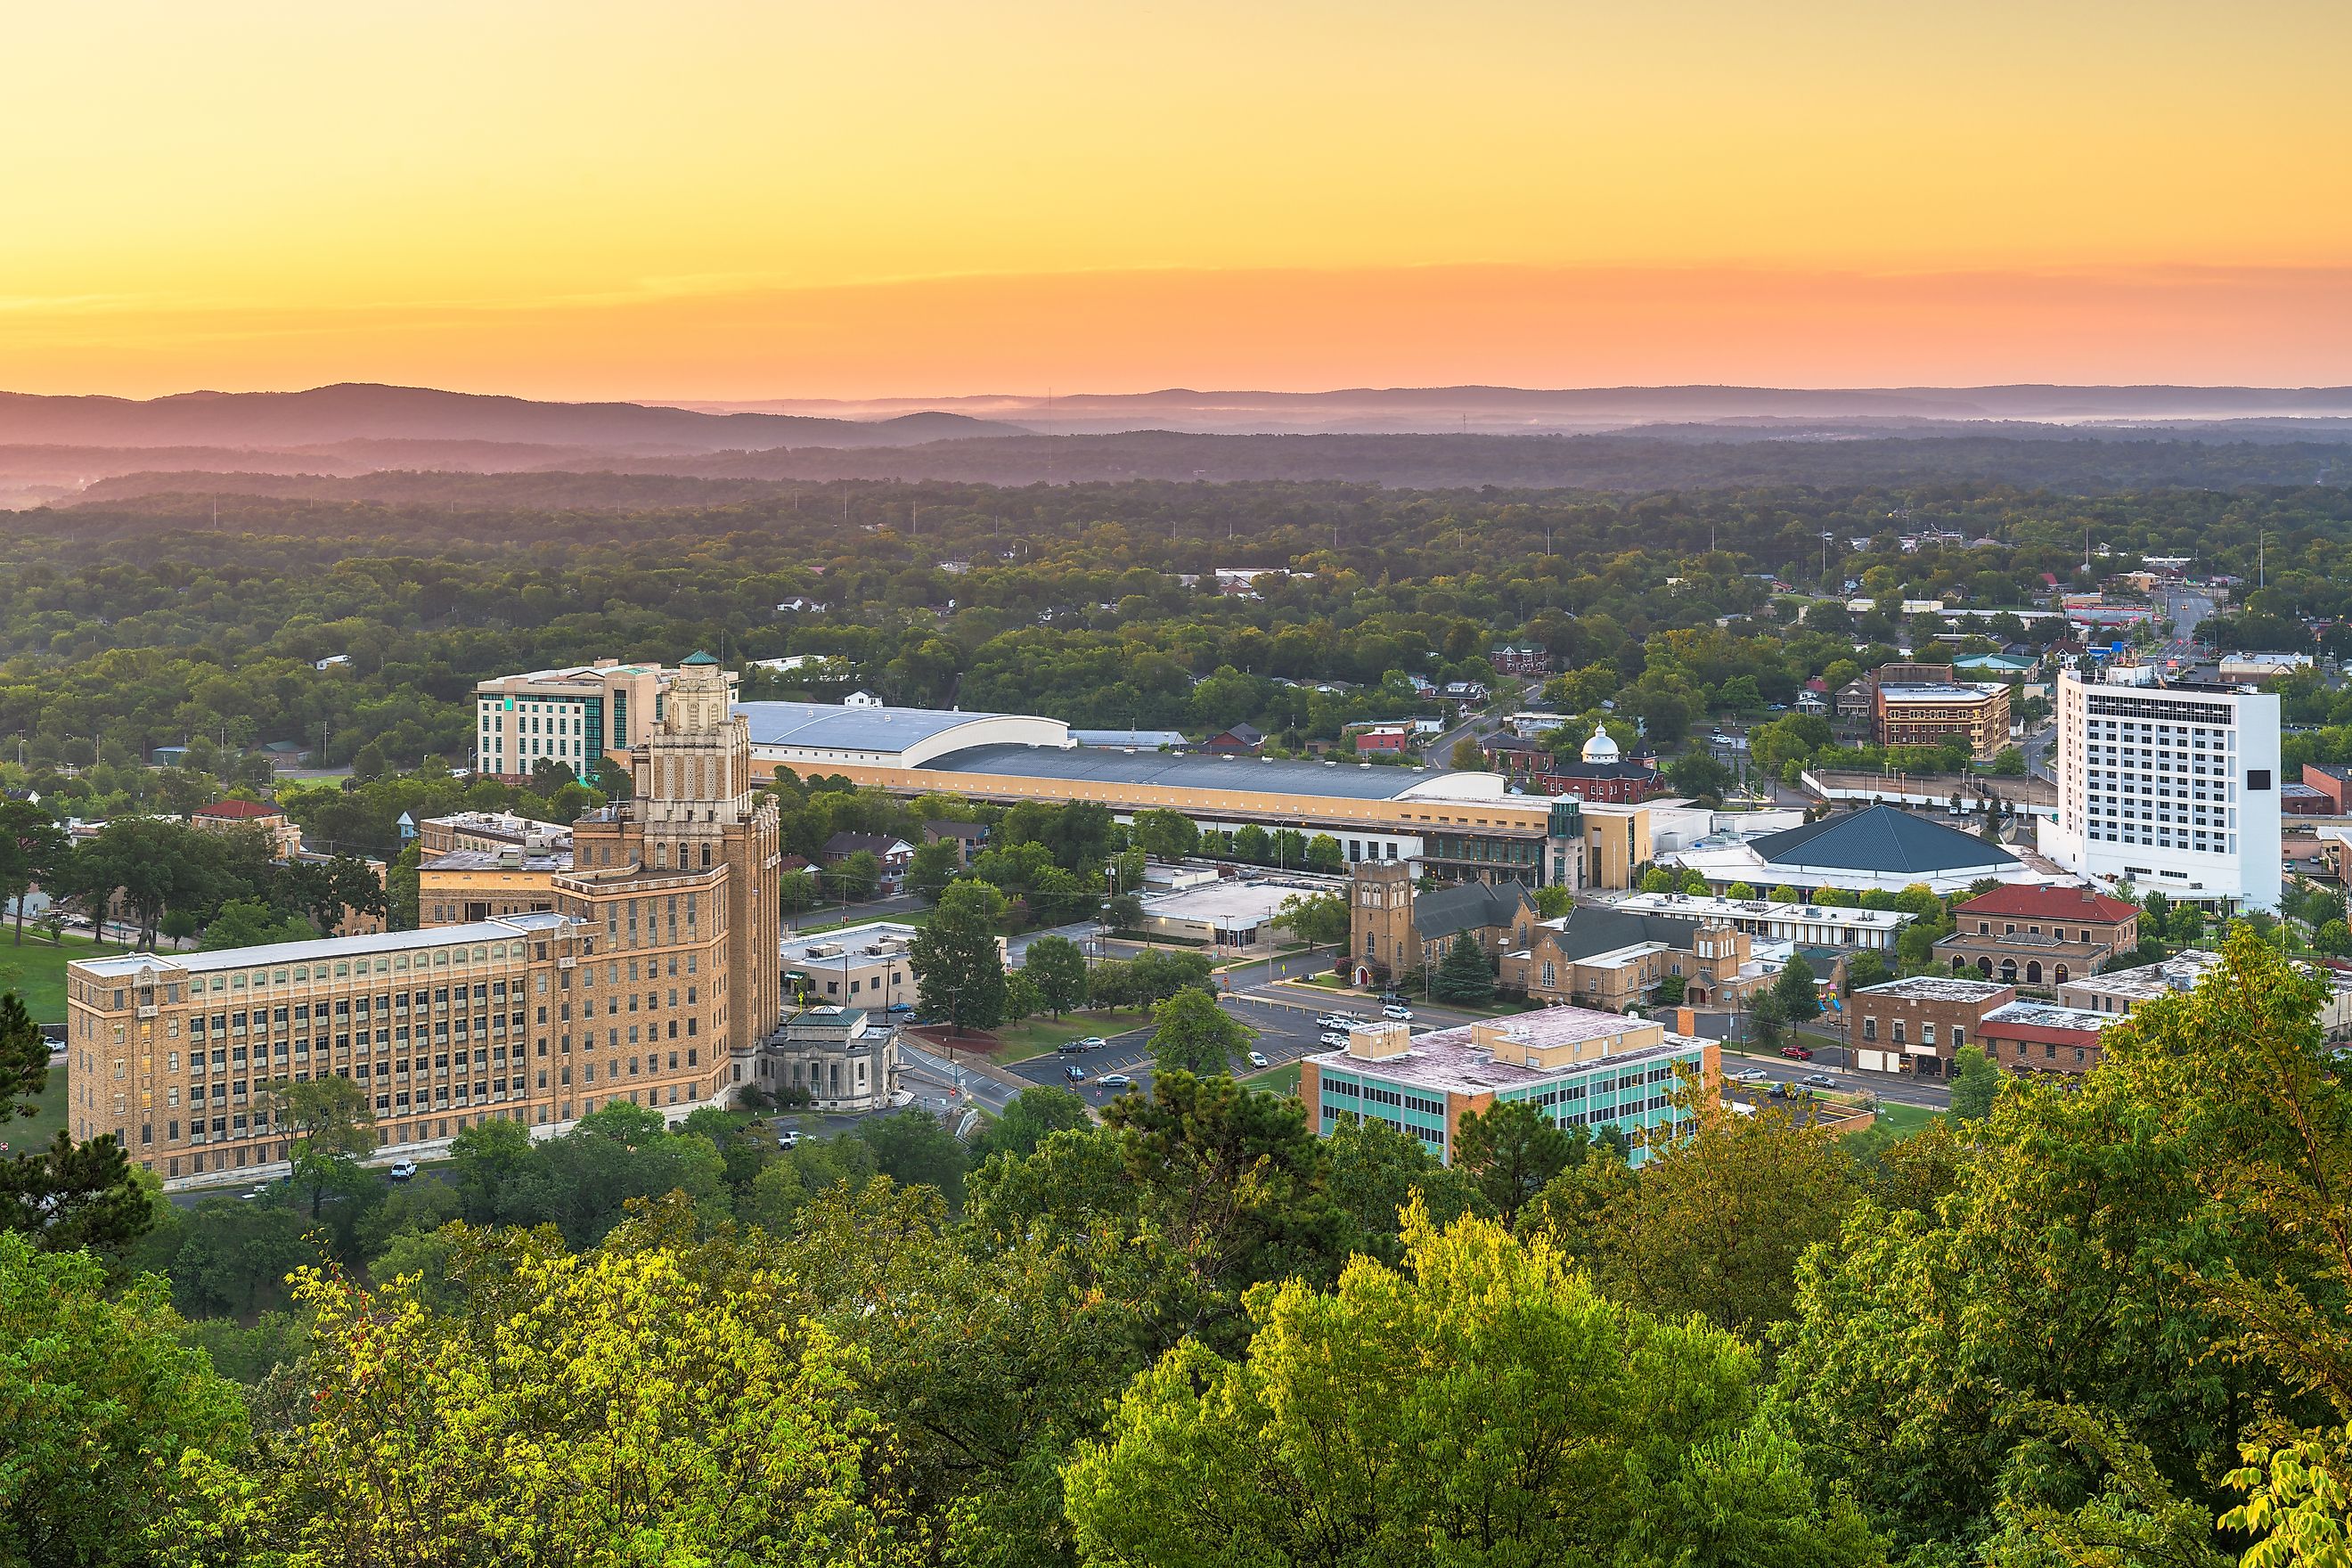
{"points": [[1579, 1069], [2121, 991], [2040, 1037], [1807, 925], [1232, 916], [1932, 712], [1917, 1025], [2038, 934], [862, 967], [479, 865]]}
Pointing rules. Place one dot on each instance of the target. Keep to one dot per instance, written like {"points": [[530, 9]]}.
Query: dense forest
{"points": [[148, 623], [2101, 1322]]}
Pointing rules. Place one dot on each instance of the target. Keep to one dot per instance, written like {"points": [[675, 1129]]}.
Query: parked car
{"points": [[1074, 1073], [1093, 1043], [1818, 1080], [1117, 1080], [1394, 998], [900, 1007], [1070, 1048], [402, 1170], [1334, 1038], [1398, 1011], [1257, 1059], [789, 1138], [1798, 1053]]}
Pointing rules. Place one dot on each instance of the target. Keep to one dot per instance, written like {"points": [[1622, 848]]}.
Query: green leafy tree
{"points": [[1866, 968], [1794, 991], [1191, 1033], [1975, 1082], [252, 923], [686, 1407], [1480, 1405], [934, 865], [1466, 757], [1463, 976], [68, 1195], [1658, 879], [1030, 1118], [1318, 919], [912, 1148], [333, 1131], [1057, 967], [1165, 836], [33, 849], [2334, 937], [105, 1412], [959, 967]]}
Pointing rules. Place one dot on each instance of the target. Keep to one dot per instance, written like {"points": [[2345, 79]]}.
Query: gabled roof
{"points": [[1880, 838], [1589, 929], [2048, 901], [845, 844], [1469, 906]]}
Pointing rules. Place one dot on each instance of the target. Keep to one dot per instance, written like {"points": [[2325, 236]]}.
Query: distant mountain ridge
{"points": [[358, 411], [1571, 410]]}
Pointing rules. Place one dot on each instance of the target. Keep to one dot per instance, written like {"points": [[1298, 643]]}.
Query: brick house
{"points": [[1916, 1026], [2040, 1036], [2038, 934], [1598, 956]]}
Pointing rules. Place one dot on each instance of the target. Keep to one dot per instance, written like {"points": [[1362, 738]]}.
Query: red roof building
{"points": [[2048, 903]]}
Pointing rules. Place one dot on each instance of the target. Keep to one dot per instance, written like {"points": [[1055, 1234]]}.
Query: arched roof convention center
{"points": [[803, 735]]}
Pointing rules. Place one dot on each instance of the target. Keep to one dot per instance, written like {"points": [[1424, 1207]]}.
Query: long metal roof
{"points": [[1239, 775], [832, 726]]}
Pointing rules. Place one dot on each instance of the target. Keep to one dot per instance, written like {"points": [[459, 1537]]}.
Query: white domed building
{"points": [[1603, 772]]}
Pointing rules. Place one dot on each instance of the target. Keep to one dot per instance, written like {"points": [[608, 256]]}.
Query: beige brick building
{"points": [[652, 977]]}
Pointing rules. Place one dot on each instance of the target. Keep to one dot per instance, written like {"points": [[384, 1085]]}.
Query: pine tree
{"points": [[1462, 975]]}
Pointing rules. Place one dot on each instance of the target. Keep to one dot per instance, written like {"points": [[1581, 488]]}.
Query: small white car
{"points": [[789, 1138], [1257, 1059], [1117, 1080], [1093, 1043], [1402, 1015], [1747, 1075], [402, 1170], [1334, 1038]]}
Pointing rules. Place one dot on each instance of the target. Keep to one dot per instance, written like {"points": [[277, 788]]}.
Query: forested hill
{"points": [[2078, 465], [363, 412]]}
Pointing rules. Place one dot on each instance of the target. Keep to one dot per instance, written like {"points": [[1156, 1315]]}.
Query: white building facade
{"points": [[2170, 784]]}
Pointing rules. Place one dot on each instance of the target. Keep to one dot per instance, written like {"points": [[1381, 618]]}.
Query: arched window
{"points": [[2034, 972], [2058, 976], [1984, 967], [2009, 971]]}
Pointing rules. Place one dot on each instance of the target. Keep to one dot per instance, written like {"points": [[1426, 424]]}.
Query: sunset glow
{"points": [[708, 200]]}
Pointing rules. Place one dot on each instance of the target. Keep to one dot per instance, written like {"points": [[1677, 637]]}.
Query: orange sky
{"points": [[768, 199]]}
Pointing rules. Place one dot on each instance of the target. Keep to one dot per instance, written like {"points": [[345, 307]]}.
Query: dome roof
{"points": [[1600, 748]]}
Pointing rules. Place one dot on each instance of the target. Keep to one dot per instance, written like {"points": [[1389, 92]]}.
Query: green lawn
{"points": [[48, 1118], [1907, 1119], [37, 971], [1275, 1080], [1035, 1037]]}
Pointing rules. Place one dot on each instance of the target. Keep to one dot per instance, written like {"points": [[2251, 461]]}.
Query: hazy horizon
{"points": [[706, 202]]}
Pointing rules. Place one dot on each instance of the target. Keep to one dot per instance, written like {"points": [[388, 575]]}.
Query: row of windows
{"points": [[305, 973]]}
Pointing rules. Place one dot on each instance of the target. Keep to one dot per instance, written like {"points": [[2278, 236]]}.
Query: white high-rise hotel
{"points": [[2169, 783]]}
